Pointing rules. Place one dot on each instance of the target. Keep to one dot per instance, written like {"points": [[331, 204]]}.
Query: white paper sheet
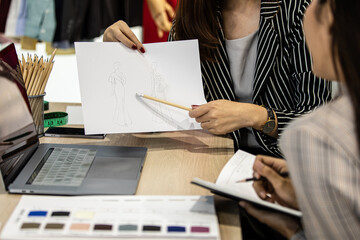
{"points": [[75, 115], [237, 168], [111, 74]]}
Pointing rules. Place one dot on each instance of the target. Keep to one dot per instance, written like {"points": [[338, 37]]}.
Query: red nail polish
{"points": [[142, 50], [194, 106], [134, 47]]}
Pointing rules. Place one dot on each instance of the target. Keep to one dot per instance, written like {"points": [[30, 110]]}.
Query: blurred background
{"points": [[39, 26]]}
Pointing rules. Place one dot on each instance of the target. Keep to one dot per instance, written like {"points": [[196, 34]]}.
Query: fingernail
{"points": [[262, 195], [257, 175], [142, 50], [134, 47], [242, 204], [194, 106]]}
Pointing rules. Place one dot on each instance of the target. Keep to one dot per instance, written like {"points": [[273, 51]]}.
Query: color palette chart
{"points": [[92, 217]]}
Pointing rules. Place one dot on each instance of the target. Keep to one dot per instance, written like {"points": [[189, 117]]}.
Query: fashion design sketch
{"points": [[158, 90], [118, 83]]}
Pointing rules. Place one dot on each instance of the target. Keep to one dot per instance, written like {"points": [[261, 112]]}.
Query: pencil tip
{"points": [[139, 94]]}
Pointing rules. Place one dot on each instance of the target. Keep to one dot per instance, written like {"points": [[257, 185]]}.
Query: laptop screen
{"points": [[18, 137]]}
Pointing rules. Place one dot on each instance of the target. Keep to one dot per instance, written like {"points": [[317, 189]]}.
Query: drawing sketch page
{"points": [[237, 168], [111, 74]]}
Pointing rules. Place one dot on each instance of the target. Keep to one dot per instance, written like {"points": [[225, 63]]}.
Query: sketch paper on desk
{"points": [[111, 74], [237, 168]]}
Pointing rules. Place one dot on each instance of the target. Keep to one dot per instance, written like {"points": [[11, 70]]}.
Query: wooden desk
{"points": [[173, 160]]}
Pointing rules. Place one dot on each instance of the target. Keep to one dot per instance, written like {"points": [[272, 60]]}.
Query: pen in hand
{"points": [[285, 174]]}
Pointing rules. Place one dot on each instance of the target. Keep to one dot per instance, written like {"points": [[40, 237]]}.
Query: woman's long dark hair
{"points": [[196, 19], [345, 33]]}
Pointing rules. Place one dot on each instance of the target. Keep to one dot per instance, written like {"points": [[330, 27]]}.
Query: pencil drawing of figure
{"points": [[118, 81], [158, 90]]}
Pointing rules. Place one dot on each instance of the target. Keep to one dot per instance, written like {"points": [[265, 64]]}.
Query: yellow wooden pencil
{"points": [[36, 73], [163, 101], [26, 69], [42, 90]]}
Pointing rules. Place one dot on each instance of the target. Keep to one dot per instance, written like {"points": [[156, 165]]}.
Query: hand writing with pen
{"points": [[274, 187]]}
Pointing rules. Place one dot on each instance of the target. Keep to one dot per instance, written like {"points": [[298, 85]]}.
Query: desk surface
{"points": [[173, 160]]}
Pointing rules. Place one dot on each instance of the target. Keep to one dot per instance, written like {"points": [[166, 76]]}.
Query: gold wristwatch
{"points": [[269, 126]]}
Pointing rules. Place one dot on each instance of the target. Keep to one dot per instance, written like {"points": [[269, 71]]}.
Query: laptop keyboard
{"points": [[65, 167]]}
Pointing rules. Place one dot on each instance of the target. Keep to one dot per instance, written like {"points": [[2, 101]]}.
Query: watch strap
{"points": [[270, 112], [270, 119]]}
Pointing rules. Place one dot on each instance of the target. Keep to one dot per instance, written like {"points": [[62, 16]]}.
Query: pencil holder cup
{"points": [[37, 109]]}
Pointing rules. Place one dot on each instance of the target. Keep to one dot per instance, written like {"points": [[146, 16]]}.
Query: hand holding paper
{"points": [[111, 75]]}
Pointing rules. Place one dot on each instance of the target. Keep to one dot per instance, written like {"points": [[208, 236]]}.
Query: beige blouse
{"points": [[323, 157]]}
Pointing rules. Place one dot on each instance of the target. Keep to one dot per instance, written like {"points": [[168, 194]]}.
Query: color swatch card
{"points": [[98, 217]]}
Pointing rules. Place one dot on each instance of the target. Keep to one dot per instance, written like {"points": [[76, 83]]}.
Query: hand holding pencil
{"points": [[275, 188]]}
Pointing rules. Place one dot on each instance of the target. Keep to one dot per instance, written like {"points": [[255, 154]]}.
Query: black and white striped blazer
{"points": [[283, 80]]}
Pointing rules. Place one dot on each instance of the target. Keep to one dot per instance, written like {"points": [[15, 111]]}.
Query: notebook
{"points": [[60, 169], [240, 167]]}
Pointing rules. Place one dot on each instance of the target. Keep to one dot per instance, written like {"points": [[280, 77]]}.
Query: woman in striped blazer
{"points": [[271, 77], [275, 74]]}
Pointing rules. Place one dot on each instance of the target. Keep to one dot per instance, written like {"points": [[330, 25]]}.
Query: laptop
{"points": [[58, 169]]}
